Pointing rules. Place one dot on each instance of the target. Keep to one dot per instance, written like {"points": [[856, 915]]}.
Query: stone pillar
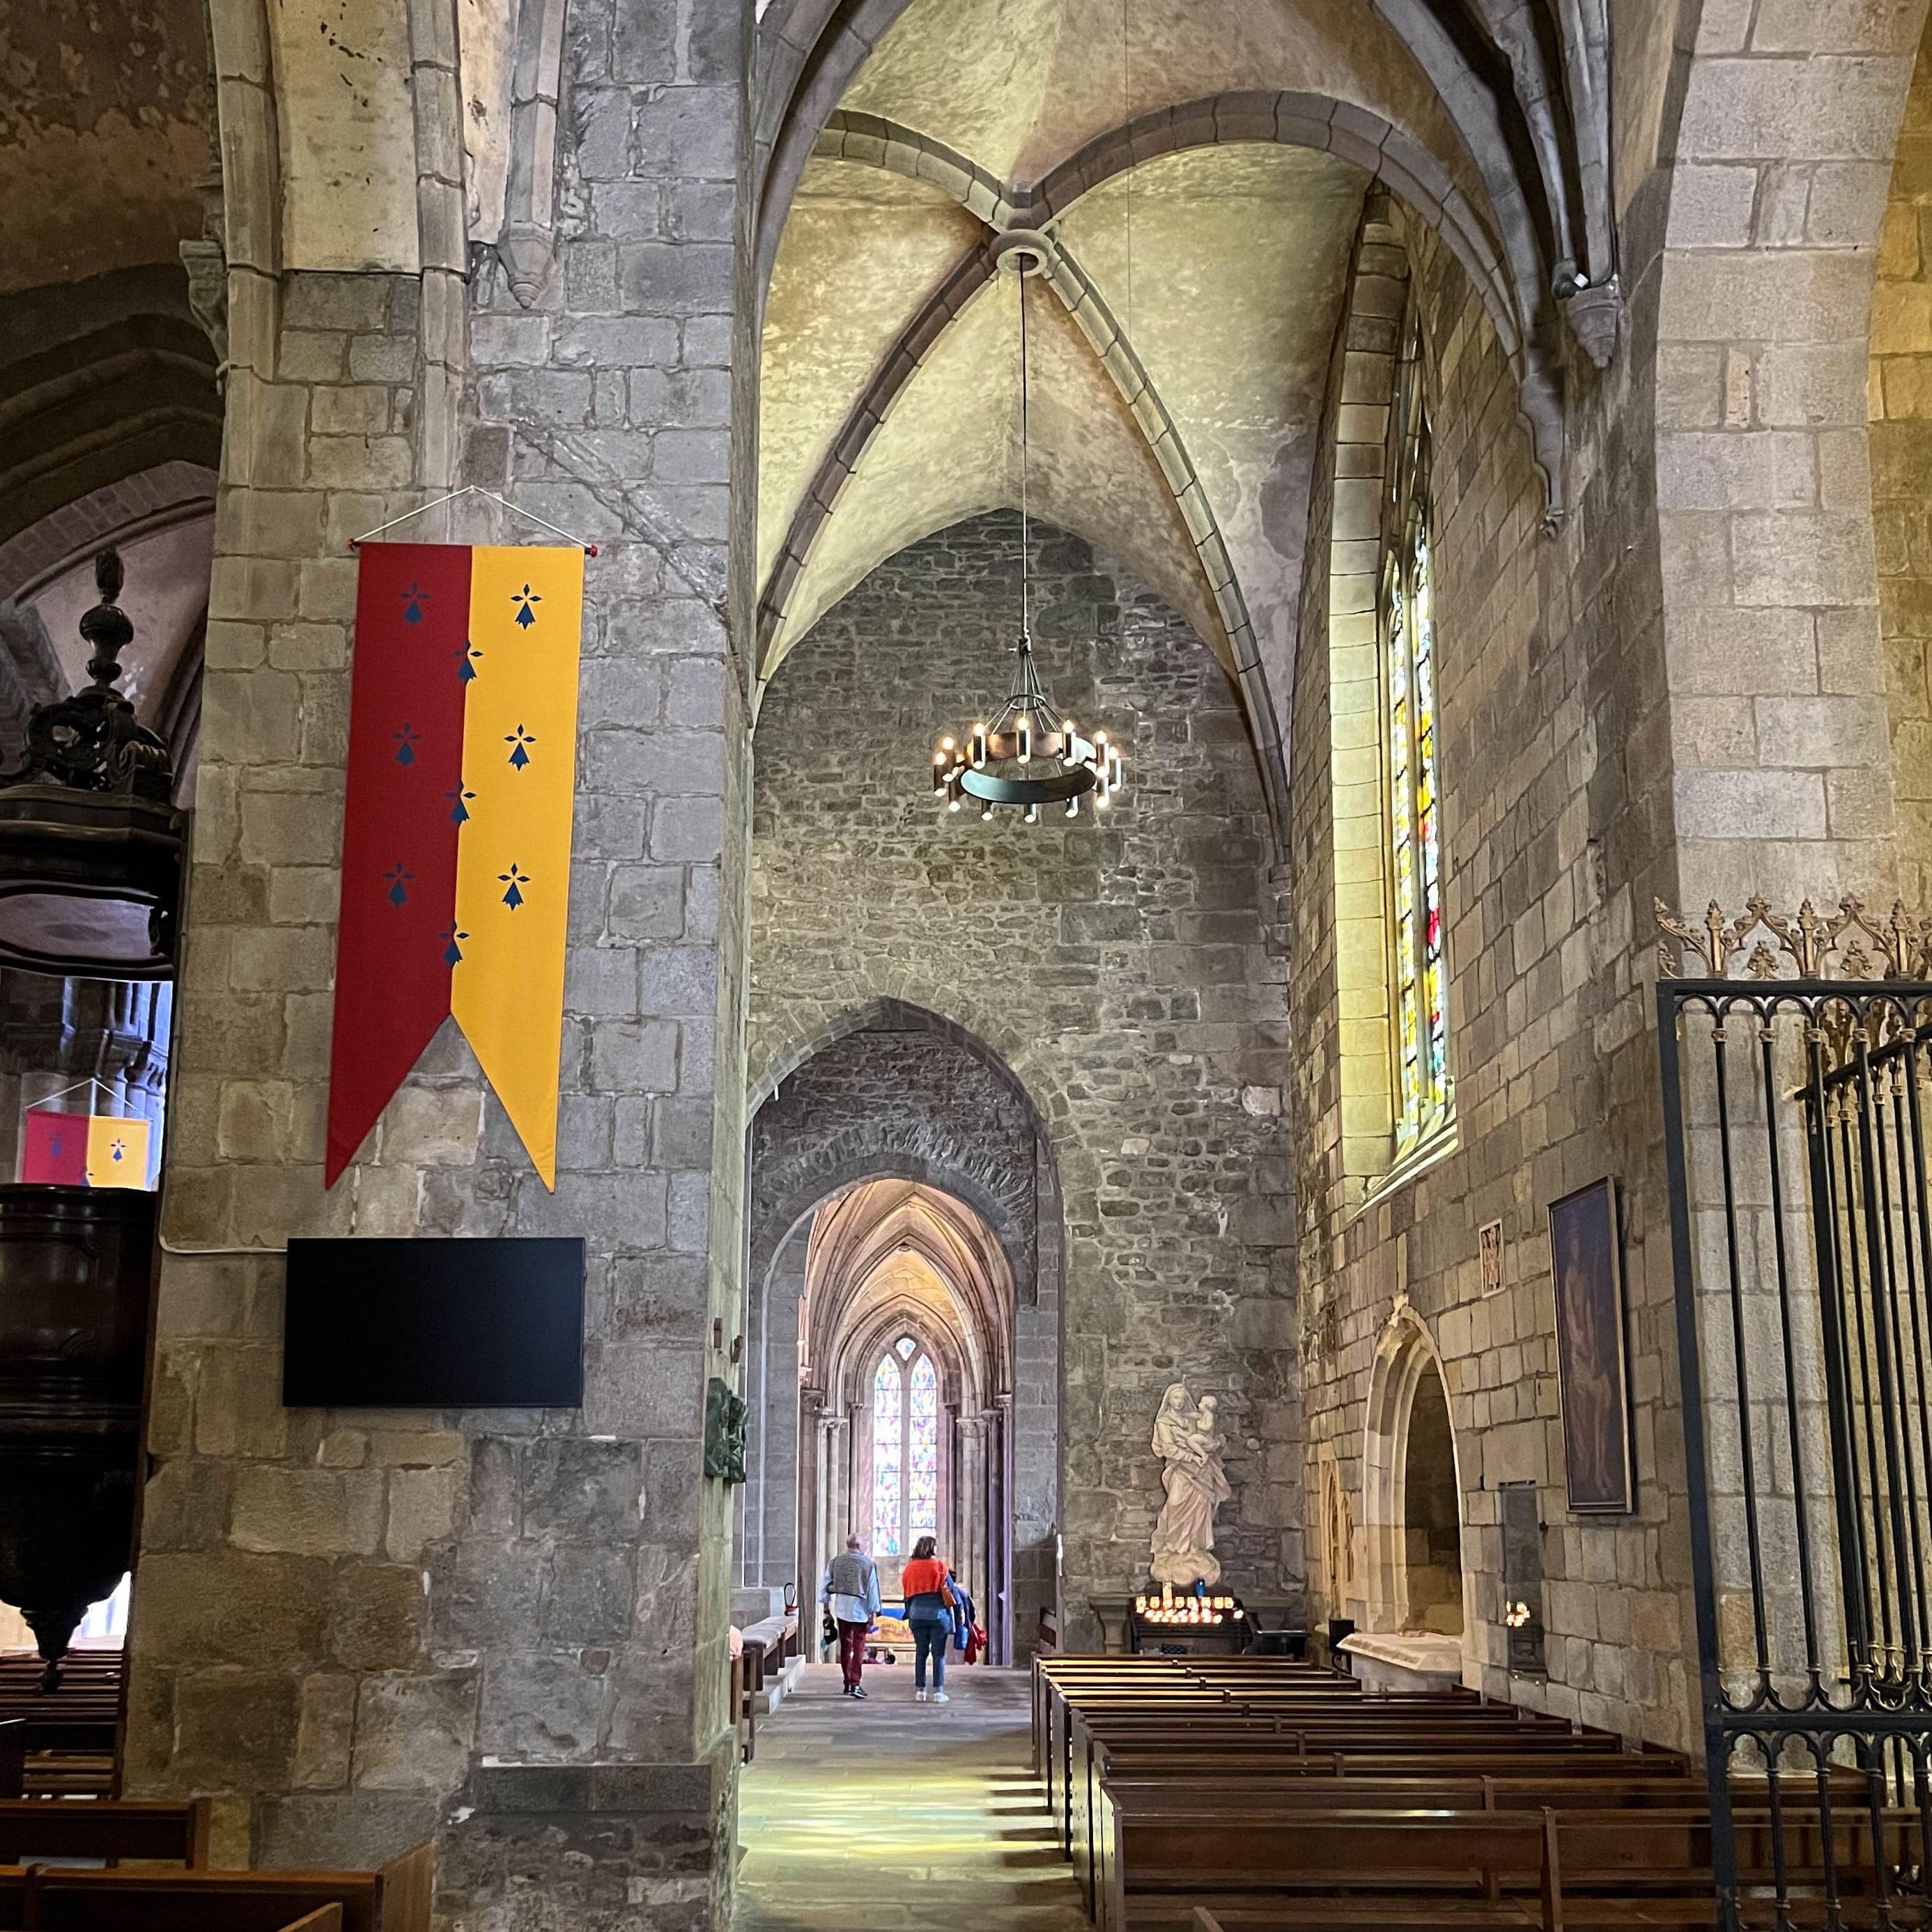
{"points": [[1000, 1524], [504, 1630], [810, 1554], [971, 1511], [768, 1556]]}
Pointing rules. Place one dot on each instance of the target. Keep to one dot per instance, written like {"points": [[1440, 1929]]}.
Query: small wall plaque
{"points": [[1490, 1251]]}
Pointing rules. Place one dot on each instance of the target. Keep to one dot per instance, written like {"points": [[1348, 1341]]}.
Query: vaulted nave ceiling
{"points": [[1198, 167]]}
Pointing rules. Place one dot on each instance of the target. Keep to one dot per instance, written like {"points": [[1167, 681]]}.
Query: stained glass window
{"points": [[1420, 1021], [905, 1447], [923, 1451], [888, 1458]]}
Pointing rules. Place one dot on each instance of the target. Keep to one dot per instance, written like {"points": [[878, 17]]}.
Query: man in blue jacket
{"points": [[851, 1594]]}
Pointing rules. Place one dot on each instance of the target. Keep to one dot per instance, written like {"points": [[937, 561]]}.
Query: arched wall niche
{"points": [[1409, 1421]]}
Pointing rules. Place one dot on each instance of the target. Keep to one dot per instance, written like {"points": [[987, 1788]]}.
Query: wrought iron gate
{"points": [[1796, 1113]]}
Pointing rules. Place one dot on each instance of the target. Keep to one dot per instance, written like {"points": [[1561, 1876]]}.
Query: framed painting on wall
{"points": [[1592, 1361]]}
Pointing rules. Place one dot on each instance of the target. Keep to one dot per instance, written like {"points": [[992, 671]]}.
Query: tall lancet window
{"points": [[923, 1450], [1418, 977], [888, 1458], [905, 1448]]}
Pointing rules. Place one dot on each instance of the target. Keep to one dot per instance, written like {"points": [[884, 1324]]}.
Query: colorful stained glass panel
{"points": [[923, 1451], [888, 1457], [1420, 1029]]}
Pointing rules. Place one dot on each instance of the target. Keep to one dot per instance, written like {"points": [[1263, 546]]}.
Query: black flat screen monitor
{"points": [[434, 1323]]}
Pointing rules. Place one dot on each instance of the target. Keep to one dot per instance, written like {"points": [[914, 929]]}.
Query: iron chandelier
{"points": [[1030, 754]]}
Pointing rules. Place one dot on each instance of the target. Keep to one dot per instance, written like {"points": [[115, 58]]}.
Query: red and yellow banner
{"points": [[456, 829], [86, 1150]]}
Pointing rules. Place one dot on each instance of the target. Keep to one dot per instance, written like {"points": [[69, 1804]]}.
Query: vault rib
{"points": [[1519, 308]]}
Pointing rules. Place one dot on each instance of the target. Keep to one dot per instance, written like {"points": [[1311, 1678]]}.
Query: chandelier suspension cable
{"points": [[1026, 598], [1030, 754]]}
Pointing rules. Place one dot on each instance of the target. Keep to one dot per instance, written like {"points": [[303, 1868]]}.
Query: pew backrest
{"points": [[45, 1898], [32, 1828]]}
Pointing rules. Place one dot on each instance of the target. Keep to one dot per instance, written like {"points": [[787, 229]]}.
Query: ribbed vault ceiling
{"points": [[1198, 167], [888, 1252], [891, 400]]}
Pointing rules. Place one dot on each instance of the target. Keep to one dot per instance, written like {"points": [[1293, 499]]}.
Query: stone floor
{"points": [[888, 1815]]}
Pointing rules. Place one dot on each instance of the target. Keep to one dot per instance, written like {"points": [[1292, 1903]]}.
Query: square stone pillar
{"points": [[506, 1629]]}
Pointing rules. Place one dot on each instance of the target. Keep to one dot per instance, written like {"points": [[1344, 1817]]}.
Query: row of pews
{"points": [[1204, 1794], [58, 1740], [143, 1868]]}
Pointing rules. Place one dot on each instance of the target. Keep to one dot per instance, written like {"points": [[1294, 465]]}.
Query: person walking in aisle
{"points": [[929, 1605], [851, 1594]]}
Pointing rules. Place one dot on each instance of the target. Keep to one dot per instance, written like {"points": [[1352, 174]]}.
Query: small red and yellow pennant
{"points": [[457, 828], [86, 1150]]}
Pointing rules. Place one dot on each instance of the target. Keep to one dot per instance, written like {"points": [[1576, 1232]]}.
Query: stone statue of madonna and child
{"points": [[1188, 1443]]}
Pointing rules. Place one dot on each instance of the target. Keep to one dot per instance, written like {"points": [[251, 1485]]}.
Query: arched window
{"points": [[1419, 1015], [888, 1458], [905, 1448]]}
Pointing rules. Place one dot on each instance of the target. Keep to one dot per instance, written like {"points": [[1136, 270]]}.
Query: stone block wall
{"points": [[1125, 968], [1550, 755], [507, 1629], [1900, 392]]}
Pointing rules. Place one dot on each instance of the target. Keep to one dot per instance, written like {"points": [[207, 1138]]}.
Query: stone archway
{"points": [[1416, 1579], [901, 1181]]}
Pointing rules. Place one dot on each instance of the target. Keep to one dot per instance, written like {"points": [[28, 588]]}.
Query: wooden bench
{"points": [[55, 1898], [1583, 1787], [1560, 1871], [67, 1746], [32, 1828], [1357, 1751], [63, 1757]]}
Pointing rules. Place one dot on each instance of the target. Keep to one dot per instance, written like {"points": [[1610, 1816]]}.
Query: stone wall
{"points": [[1900, 402], [1550, 690], [1124, 968], [901, 1099]]}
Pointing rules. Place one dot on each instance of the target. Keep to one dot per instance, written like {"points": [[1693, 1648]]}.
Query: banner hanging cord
{"points": [[490, 496], [86, 1080]]}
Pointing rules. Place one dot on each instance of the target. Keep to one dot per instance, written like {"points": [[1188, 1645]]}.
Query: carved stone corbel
{"points": [[206, 261], [529, 256], [1595, 316]]}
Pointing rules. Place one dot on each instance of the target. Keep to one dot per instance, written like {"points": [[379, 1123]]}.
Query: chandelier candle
{"points": [[1029, 726]]}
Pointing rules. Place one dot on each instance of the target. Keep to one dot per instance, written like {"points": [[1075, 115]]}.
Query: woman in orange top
{"points": [[929, 1613]]}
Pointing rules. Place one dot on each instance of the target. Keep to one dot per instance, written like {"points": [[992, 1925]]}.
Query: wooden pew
{"points": [[1583, 1787], [83, 1748], [54, 1898], [1362, 1750], [32, 1828], [67, 1746], [1560, 1871]]}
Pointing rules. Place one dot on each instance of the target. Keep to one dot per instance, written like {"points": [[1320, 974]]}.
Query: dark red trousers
{"points": [[851, 1650]]}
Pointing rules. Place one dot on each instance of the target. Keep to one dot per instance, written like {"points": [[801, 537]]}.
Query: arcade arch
{"points": [[902, 1193]]}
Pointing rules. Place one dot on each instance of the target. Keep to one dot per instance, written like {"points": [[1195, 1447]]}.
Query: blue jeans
{"points": [[929, 1636]]}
